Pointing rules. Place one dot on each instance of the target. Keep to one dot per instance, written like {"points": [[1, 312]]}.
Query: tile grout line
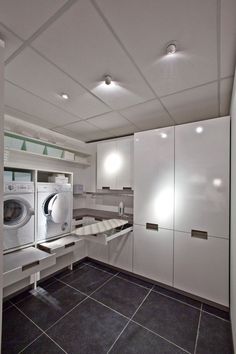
{"points": [[158, 335], [28, 345], [130, 319], [132, 282], [198, 328], [218, 317], [180, 301], [43, 332]]}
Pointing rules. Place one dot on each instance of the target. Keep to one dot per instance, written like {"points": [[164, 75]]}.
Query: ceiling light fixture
{"points": [[107, 79], [65, 96], [171, 49], [199, 130]]}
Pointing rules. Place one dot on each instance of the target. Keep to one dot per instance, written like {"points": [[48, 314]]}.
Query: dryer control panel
{"points": [[19, 187]]}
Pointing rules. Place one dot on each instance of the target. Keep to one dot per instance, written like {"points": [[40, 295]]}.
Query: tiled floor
{"points": [[97, 310]]}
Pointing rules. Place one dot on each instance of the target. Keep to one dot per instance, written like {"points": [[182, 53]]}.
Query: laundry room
{"points": [[117, 177]]}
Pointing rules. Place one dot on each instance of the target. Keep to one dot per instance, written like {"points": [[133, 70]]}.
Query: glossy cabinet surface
{"points": [[202, 177], [201, 267], [153, 254], [115, 164], [154, 177], [121, 252]]}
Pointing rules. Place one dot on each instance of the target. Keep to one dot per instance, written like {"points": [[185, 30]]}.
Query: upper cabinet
{"points": [[154, 177], [202, 177], [115, 164]]}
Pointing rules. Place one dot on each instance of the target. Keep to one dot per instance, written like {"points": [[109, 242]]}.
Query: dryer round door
{"points": [[57, 208], [17, 212]]}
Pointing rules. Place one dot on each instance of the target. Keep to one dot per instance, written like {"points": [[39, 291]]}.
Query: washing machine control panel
{"points": [[17, 187]]}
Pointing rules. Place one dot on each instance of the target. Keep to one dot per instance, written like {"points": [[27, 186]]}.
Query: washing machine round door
{"points": [[58, 208], [17, 212]]}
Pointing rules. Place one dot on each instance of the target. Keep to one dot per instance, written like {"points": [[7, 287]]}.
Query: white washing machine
{"points": [[54, 210], [18, 214]]}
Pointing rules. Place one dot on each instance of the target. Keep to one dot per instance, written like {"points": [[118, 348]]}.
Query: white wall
{"points": [[1, 173], [233, 214]]}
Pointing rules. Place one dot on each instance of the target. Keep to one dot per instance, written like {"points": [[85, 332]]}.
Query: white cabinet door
{"points": [[202, 177], [107, 164], [153, 254], [97, 251], [154, 177], [121, 252], [201, 267], [115, 164], [125, 174]]}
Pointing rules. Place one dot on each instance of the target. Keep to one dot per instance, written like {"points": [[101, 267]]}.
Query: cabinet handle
{"points": [[70, 244], [127, 188], [106, 188], [199, 234], [151, 226], [30, 265]]}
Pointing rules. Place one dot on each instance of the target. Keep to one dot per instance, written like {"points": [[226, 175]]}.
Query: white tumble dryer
{"points": [[18, 214], [54, 210]]}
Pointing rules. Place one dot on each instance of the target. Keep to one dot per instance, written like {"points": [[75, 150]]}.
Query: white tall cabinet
{"points": [[154, 204], [115, 164], [201, 223]]}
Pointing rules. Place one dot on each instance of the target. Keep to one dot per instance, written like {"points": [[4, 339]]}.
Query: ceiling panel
{"points": [[27, 103], [154, 24], [26, 16], [30, 71], [226, 86], [80, 130], [228, 36], [81, 44], [110, 120], [193, 105], [12, 43], [148, 115]]}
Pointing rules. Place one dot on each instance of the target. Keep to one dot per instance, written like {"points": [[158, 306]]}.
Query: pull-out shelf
{"points": [[61, 245], [21, 264], [105, 231]]}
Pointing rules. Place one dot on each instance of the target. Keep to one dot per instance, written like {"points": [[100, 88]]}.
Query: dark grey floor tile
{"points": [[17, 331], [89, 328], [136, 280], [121, 296], [137, 340], [86, 279], [214, 336], [43, 345], [216, 312], [102, 267], [46, 305], [171, 319], [20, 296], [177, 296], [67, 271]]}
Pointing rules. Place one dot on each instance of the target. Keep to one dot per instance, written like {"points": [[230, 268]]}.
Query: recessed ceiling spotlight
{"points": [[107, 79], [199, 130], [65, 96], [171, 49]]}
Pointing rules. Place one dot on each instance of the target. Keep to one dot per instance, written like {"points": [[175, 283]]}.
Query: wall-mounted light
{"points": [[64, 96], [199, 130], [107, 79]]}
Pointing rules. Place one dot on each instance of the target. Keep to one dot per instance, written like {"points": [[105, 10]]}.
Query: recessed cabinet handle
{"points": [[105, 187], [30, 265], [127, 188], [70, 244], [199, 234], [151, 226]]}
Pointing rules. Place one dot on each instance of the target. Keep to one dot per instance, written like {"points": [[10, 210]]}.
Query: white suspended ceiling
{"points": [[68, 46]]}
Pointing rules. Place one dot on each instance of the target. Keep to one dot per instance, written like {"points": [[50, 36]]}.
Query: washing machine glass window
{"points": [[17, 212], [56, 208]]}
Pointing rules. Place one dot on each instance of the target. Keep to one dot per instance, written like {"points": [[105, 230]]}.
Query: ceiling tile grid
{"points": [[68, 46]]}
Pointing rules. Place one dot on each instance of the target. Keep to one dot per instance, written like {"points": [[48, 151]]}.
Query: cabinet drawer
{"points": [[201, 266], [62, 245], [153, 254], [21, 264]]}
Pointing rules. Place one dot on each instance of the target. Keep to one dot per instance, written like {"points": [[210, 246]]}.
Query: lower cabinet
{"points": [[121, 252], [201, 267], [97, 251], [153, 254]]}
